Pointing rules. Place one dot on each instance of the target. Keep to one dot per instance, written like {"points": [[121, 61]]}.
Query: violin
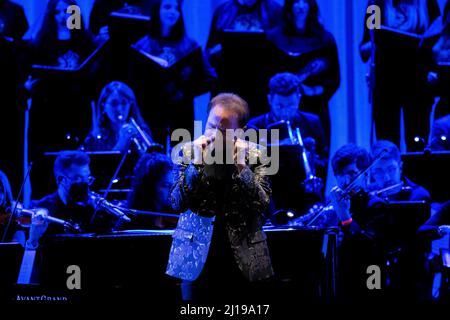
{"points": [[24, 217]]}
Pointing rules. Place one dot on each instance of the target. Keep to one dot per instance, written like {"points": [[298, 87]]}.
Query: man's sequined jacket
{"points": [[243, 208]]}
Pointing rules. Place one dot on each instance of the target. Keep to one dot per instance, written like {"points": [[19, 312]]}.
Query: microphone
{"points": [[145, 140], [108, 207]]}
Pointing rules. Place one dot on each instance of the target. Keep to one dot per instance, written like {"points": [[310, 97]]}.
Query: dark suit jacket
{"points": [[243, 205]]}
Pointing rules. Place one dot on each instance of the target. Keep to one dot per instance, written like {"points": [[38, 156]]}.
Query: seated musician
{"points": [[72, 201], [284, 99], [151, 185], [388, 180], [113, 127]]}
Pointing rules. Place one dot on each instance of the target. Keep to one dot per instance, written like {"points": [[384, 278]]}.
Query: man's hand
{"points": [[200, 145], [240, 152], [39, 225], [340, 203]]}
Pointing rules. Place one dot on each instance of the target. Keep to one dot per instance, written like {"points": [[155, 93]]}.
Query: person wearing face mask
{"points": [[114, 119], [387, 175], [71, 202]]}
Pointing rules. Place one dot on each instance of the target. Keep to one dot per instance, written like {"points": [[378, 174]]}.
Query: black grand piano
{"points": [[131, 265]]}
